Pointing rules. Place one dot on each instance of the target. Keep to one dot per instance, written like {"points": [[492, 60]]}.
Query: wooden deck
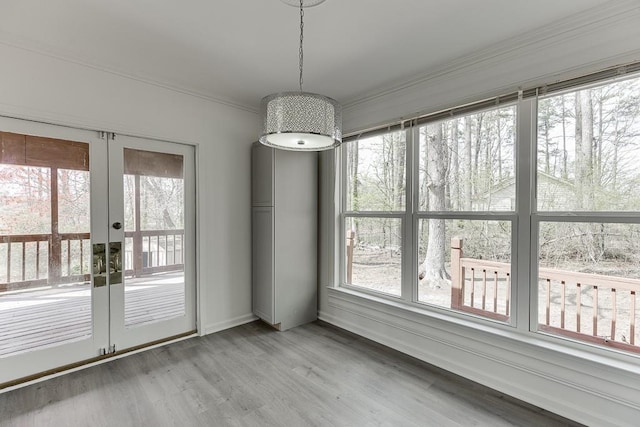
{"points": [[50, 316]]}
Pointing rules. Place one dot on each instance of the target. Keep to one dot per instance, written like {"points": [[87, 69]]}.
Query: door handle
{"points": [[115, 262], [117, 225], [99, 265]]}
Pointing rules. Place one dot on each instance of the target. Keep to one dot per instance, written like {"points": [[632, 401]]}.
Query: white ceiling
{"points": [[238, 51]]}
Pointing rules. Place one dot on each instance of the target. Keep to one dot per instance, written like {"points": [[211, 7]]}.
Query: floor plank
{"points": [[252, 375]]}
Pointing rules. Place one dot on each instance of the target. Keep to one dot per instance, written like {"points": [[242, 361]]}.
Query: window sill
{"points": [[475, 348]]}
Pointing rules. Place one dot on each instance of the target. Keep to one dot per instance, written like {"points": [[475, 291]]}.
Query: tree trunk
{"points": [[565, 172], [386, 173], [598, 146], [585, 171], [499, 148], [547, 145], [432, 270], [476, 155], [400, 168], [588, 150], [447, 163], [355, 203], [579, 155], [614, 163], [455, 164], [468, 174]]}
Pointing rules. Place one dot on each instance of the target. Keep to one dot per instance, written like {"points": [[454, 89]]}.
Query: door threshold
{"points": [[87, 363]]}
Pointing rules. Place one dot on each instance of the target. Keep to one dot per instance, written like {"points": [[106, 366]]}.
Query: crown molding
{"points": [[556, 33], [16, 42]]}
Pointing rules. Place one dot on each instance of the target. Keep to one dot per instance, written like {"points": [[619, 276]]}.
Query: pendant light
{"points": [[297, 120]]}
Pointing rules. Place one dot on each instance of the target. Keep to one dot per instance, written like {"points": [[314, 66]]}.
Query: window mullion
{"points": [[409, 246], [340, 173], [523, 287]]}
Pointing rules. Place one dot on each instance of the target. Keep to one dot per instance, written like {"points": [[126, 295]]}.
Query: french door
{"points": [[97, 241]]}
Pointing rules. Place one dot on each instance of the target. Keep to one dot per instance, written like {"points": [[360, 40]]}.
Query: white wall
{"points": [[588, 42], [592, 386], [43, 88]]}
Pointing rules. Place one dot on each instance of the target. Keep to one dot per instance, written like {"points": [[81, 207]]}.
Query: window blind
{"points": [[608, 74]]}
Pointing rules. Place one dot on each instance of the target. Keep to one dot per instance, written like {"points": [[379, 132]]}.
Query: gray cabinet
{"points": [[284, 214]]}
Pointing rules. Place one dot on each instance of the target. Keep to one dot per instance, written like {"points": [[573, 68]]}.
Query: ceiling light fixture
{"points": [[297, 120]]}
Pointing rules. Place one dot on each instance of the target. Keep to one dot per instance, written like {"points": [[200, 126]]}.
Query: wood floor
{"points": [[251, 375]]}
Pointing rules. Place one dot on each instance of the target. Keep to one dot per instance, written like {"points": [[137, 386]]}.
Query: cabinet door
{"points": [[296, 277], [262, 167], [263, 263]]}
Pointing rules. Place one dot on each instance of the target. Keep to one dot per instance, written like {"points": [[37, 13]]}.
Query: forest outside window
{"points": [[587, 222], [432, 212], [375, 200], [463, 171], [466, 174]]}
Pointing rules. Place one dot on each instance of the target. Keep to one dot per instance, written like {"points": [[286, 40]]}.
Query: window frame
{"points": [[537, 217], [403, 216], [412, 215], [525, 218]]}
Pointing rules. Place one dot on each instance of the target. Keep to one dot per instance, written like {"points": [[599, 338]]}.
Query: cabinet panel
{"points": [[285, 191], [262, 175], [296, 237], [262, 251]]}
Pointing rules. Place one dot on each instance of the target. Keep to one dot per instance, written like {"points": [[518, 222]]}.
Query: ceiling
{"points": [[237, 51]]}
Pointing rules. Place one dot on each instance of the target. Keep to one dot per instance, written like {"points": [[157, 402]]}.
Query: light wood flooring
{"points": [[252, 375]]}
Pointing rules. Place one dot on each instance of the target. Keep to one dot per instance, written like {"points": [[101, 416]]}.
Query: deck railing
{"points": [[589, 307], [479, 286], [153, 251], [32, 260], [604, 310]]}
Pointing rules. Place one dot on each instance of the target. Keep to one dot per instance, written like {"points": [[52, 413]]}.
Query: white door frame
{"points": [[121, 336], [49, 359]]}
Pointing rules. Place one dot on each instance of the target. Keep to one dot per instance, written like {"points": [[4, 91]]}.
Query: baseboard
{"points": [[226, 324], [558, 384]]}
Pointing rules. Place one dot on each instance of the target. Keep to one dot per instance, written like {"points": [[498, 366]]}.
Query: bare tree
{"points": [[432, 270], [468, 175], [454, 173], [547, 118], [584, 150], [353, 160], [564, 112]]}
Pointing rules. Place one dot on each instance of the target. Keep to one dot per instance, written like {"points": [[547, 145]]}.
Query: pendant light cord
{"points": [[301, 40]]}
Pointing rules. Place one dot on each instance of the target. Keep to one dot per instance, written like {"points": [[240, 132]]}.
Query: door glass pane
{"points": [[45, 265], [154, 236]]}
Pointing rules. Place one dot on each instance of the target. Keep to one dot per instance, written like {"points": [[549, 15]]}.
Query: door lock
{"points": [[117, 225]]}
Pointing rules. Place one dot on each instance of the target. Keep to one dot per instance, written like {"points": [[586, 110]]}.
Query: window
{"points": [[462, 212], [466, 166], [588, 200], [432, 213], [375, 200]]}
